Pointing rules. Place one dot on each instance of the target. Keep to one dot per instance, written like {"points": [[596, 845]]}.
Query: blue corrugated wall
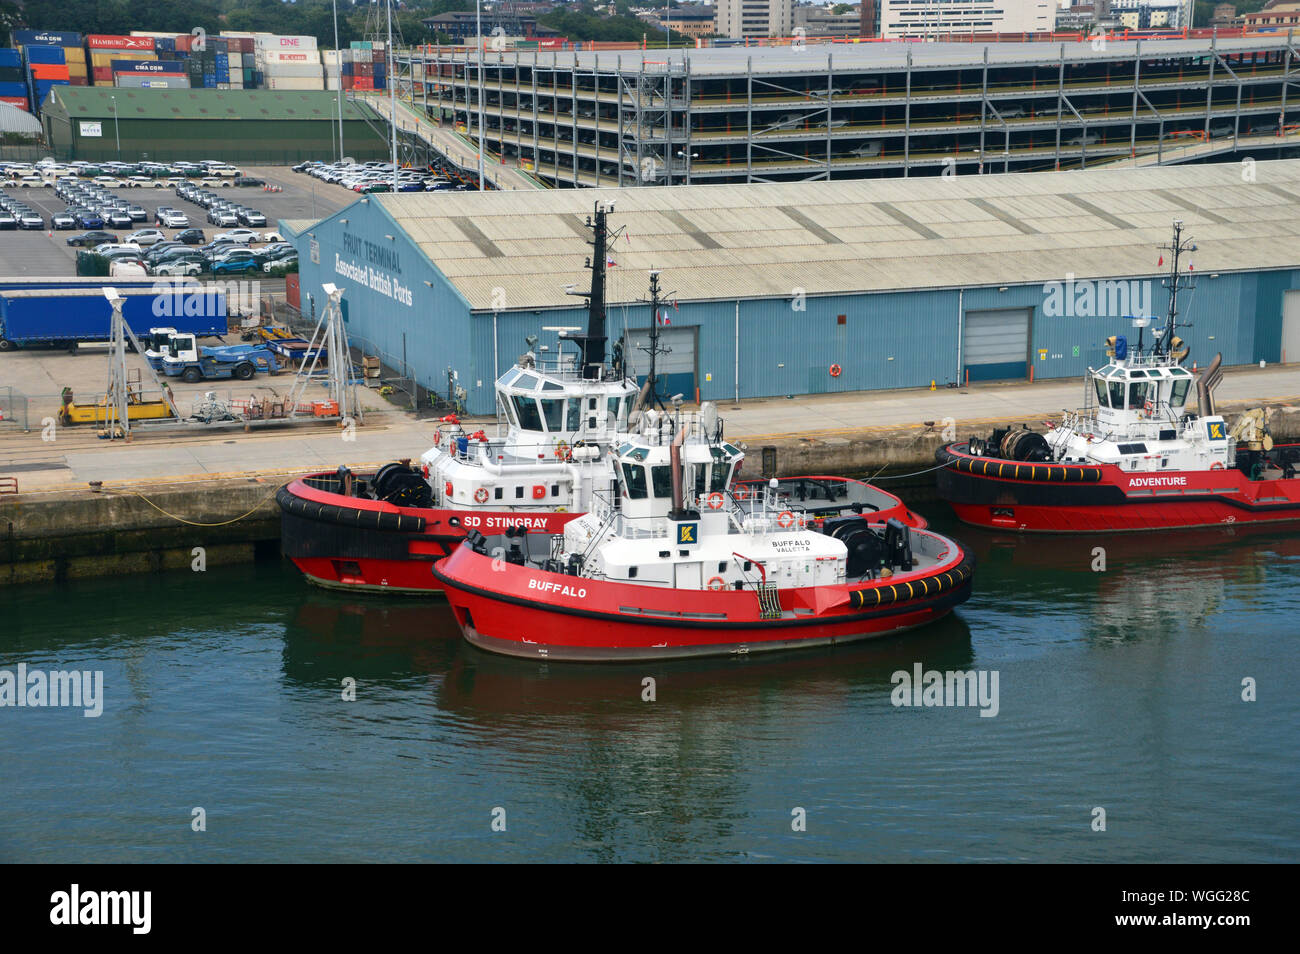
{"points": [[886, 340]]}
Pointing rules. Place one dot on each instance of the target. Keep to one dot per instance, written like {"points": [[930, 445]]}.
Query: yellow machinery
{"points": [[137, 408]]}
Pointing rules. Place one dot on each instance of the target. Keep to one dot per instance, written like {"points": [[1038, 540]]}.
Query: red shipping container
{"points": [[78, 81], [349, 81], [363, 82], [102, 74], [100, 41], [19, 101], [49, 71]]}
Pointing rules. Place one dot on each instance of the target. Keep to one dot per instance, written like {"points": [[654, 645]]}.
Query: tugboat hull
{"points": [[530, 613], [1075, 498], [348, 543]]}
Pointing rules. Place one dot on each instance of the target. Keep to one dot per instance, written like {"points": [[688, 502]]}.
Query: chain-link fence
{"points": [[15, 410]]}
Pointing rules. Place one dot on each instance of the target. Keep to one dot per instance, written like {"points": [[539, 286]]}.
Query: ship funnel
{"points": [[1206, 384]]}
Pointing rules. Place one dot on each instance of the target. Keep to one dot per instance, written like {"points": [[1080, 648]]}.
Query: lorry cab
{"points": [[158, 345]]}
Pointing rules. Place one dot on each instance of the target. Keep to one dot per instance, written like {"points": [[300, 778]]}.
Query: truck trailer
{"points": [[43, 317]]}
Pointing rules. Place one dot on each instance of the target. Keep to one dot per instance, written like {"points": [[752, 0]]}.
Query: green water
{"points": [[222, 690]]}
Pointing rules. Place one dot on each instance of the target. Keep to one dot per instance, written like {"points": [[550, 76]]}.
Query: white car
{"points": [[139, 182], [228, 172], [108, 182], [272, 237], [146, 237], [244, 236], [173, 219], [178, 268], [110, 247]]}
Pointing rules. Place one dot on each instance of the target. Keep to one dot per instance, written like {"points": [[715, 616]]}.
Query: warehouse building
{"points": [[800, 288], [269, 126], [807, 112]]}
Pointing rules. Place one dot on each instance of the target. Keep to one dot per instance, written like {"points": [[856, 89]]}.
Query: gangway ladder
{"points": [[117, 398], [332, 336], [769, 601]]}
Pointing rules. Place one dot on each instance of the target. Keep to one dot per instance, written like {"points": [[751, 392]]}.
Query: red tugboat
{"points": [[381, 532], [676, 563], [1133, 458]]}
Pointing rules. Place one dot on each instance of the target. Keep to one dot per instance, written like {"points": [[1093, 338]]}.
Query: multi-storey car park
{"points": [[862, 110]]}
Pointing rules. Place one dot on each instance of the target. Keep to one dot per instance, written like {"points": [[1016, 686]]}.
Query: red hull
{"points": [[499, 609], [348, 543], [1105, 499]]}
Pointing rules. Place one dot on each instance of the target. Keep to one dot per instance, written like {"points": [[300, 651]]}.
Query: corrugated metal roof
{"points": [[765, 240], [96, 102]]}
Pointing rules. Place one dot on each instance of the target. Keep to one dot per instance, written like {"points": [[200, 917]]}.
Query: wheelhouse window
{"points": [[1178, 395], [526, 409], [573, 415], [711, 477], [634, 480], [553, 413], [1138, 394], [613, 412], [1103, 397], [1116, 394], [662, 478]]}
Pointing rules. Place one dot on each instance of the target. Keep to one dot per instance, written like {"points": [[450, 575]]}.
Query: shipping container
{"points": [[151, 81], [49, 71], [173, 67], [44, 54], [293, 83], [286, 42], [294, 72], [45, 38], [45, 316], [19, 101], [100, 41], [10, 57]]}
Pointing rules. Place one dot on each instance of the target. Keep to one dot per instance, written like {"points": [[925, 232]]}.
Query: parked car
{"points": [[30, 220], [235, 265], [179, 267], [8, 221], [62, 220], [172, 218], [249, 181], [147, 236], [252, 218], [243, 236], [191, 237], [286, 262], [92, 238]]}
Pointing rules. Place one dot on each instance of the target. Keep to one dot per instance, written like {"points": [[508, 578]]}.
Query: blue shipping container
{"points": [[10, 57], [13, 89], [45, 38], [44, 54], [33, 317]]}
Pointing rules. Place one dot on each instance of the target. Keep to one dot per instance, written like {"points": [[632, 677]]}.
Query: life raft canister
{"points": [[446, 489]]}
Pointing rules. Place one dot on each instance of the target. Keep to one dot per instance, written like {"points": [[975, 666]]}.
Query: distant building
{"points": [[1276, 13], [1151, 14], [688, 19], [869, 18], [820, 21], [936, 18], [462, 26], [742, 19], [1225, 14]]}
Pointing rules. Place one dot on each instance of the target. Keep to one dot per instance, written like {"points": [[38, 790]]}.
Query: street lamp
{"points": [[116, 134], [338, 69]]}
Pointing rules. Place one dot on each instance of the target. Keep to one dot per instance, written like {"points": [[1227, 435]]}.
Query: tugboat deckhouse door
{"points": [[995, 344], [676, 369]]}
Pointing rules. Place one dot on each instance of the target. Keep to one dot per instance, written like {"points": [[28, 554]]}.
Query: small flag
{"points": [[1161, 262], [675, 308], [609, 261], [1191, 267]]}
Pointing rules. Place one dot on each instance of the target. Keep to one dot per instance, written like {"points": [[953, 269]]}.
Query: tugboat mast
{"points": [[654, 350], [592, 344], [1176, 282]]}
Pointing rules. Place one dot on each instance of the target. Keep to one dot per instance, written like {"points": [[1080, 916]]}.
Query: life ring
{"points": [[715, 501], [481, 495], [786, 519], [562, 450], [437, 438], [1216, 466], [836, 370], [717, 583]]}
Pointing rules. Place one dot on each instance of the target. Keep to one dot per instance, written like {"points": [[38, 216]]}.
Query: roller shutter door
{"points": [[995, 344], [676, 369]]}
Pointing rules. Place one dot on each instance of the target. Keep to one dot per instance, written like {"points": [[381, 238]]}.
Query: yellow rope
{"points": [[193, 523]]}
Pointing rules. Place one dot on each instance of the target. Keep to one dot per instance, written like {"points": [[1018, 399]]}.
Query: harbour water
{"points": [[1119, 689]]}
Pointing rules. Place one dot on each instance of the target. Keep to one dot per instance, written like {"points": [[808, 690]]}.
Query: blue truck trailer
{"points": [[64, 317]]}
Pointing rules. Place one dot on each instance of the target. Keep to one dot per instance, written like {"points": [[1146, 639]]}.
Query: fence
{"points": [[14, 409], [11, 152]]}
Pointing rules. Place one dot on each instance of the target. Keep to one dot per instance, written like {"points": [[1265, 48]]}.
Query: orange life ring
{"points": [[481, 495], [836, 370], [786, 519], [715, 501], [717, 583], [1216, 466]]}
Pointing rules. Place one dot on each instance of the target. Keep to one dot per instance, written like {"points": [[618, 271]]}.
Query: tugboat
{"points": [[674, 563], [1133, 457], [381, 531]]}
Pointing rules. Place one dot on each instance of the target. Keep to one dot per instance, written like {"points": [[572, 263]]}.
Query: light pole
{"points": [[117, 137], [478, 16], [392, 87], [338, 68]]}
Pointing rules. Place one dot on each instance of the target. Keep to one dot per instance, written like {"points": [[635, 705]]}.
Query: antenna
{"points": [[593, 342], [1176, 282], [655, 348]]}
